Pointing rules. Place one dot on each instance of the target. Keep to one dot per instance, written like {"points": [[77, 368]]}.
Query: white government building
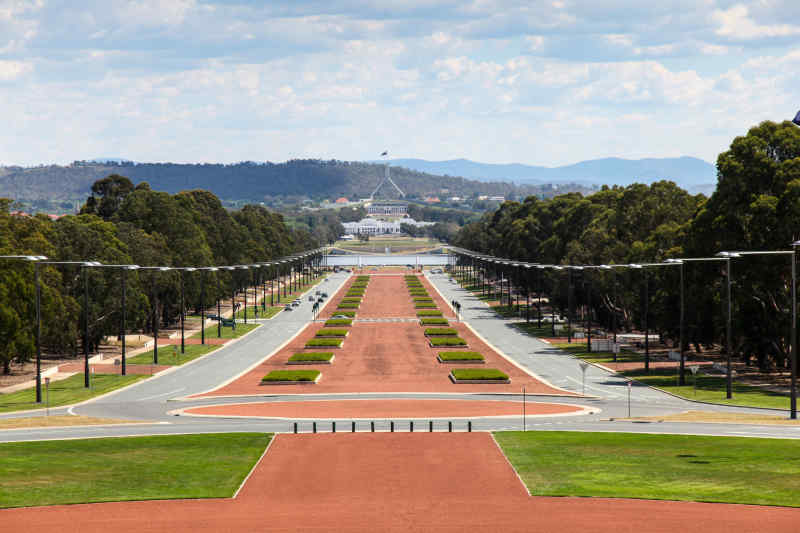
{"points": [[372, 226]]}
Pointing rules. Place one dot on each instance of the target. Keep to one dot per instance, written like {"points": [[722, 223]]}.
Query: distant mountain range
{"points": [[688, 172]]}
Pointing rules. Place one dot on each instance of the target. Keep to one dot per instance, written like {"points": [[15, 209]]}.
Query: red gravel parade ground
{"points": [[392, 481]]}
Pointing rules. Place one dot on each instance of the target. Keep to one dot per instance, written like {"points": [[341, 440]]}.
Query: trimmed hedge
{"points": [[292, 375], [322, 343], [330, 332], [479, 373], [338, 322], [351, 314], [460, 356], [347, 305], [312, 356], [425, 305], [423, 299], [429, 313], [434, 322], [441, 331], [447, 341], [351, 300]]}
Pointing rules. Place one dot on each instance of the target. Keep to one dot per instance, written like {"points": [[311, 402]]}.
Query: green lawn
{"points": [[65, 392], [130, 468], [269, 313], [578, 348], [662, 467], [534, 330], [171, 355], [228, 333], [710, 389]]}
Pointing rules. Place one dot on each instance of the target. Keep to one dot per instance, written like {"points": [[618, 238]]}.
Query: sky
{"points": [[544, 82]]}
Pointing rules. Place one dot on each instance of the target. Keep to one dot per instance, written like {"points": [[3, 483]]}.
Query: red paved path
{"points": [[400, 408], [383, 357], [395, 482]]}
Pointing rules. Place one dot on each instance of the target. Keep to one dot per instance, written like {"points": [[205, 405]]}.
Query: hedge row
{"points": [[429, 313], [312, 356], [434, 322], [338, 322], [314, 343], [479, 373], [460, 356], [440, 331], [331, 332], [447, 341], [291, 375]]}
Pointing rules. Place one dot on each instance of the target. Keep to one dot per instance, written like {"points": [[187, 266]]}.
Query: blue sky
{"points": [[544, 82]]}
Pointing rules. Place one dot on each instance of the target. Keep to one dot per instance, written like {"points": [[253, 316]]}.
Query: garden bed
{"points": [[325, 343], [422, 299], [437, 342], [425, 305], [351, 314], [461, 357], [441, 332], [347, 306], [292, 377], [331, 333], [311, 358], [434, 322], [338, 322], [479, 375], [421, 314]]}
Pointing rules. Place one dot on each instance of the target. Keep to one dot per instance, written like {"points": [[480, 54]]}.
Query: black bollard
{"points": [[333, 427], [469, 426], [372, 426], [314, 427], [411, 426], [295, 427], [430, 426], [391, 426], [449, 426], [354, 427]]}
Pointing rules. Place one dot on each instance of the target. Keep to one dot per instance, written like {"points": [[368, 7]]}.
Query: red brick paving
{"points": [[383, 357], [390, 408], [395, 482]]}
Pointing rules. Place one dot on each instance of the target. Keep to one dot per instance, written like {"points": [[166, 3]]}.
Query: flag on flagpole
{"points": [[797, 118], [386, 152]]}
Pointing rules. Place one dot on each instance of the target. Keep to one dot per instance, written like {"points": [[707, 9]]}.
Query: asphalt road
{"points": [[153, 399]]}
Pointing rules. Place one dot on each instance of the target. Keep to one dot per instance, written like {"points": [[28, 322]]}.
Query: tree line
{"points": [[756, 206], [125, 224]]}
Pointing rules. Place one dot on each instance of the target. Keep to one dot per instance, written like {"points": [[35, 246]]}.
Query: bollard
{"points": [[391, 426], [430, 426], [411, 426], [469, 426], [449, 426], [314, 427], [333, 427], [354, 427], [372, 426], [295, 427]]}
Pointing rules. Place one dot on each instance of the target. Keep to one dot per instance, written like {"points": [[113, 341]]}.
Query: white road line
{"points": [[160, 395], [595, 388]]}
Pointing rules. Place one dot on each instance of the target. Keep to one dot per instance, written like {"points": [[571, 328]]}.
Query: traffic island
{"points": [[479, 375], [311, 358], [461, 358], [292, 377]]}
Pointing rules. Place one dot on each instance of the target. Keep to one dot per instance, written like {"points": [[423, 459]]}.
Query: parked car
{"points": [[295, 304], [436, 271], [310, 297], [324, 294], [288, 307]]}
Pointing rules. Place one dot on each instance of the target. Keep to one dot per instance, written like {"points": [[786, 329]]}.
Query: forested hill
{"points": [[245, 181]]}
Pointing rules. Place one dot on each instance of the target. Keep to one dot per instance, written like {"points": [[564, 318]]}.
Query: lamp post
{"points": [[793, 330], [728, 336], [570, 268], [183, 306], [153, 291], [550, 298]]}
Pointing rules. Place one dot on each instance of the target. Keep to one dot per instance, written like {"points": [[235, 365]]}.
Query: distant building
{"points": [[483, 197], [497, 199], [390, 209], [342, 200], [371, 226], [432, 200]]}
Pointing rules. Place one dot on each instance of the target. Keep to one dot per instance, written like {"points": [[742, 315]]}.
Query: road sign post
{"points": [[584, 366]]}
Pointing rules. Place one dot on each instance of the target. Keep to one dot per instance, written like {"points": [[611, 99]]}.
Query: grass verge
{"points": [[434, 321], [324, 343], [479, 373], [460, 356], [425, 313], [339, 322], [129, 468], [171, 355], [578, 348], [312, 356], [447, 341], [66, 391], [662, 467], [228, 333], [57, 421]]}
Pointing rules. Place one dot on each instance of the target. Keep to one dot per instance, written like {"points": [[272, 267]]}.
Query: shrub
{"points": [[434, 322], [338, 322], [330, 332], [291, 375], [347, 305], [479, 373], [441, 331], [351, 300], [312, 356], [351, 314], [447, 341], [423, 299], [428, 313], [425, 305], [322, 343], [460, 356]]}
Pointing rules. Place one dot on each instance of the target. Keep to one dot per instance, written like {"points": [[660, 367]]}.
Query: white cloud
{"points": [[11, 70], [735, 23]]}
